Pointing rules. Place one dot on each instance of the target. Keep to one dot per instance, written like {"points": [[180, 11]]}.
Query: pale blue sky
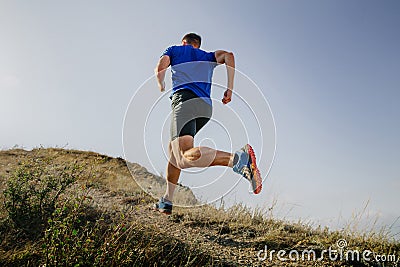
{"points": [[330, 70]]}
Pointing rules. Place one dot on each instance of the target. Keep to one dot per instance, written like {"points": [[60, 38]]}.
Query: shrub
{"points": [[32, 191], [72, 235]]}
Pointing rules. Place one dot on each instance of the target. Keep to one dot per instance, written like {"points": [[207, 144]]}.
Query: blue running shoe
{"points": [[163, 206], [246, 166]]}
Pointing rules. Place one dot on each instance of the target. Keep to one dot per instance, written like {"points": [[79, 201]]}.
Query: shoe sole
{"points": [[256, 179]]}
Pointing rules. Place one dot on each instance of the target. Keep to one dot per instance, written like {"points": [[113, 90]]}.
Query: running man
{"points": [[192, 70]]}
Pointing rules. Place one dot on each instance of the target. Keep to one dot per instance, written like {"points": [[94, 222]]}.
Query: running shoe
{"points": [[246, 166], [163, 206]]}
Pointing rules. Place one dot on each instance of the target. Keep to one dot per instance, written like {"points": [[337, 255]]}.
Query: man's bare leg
{"points": [[173, 174], [188, 156], [184, 155]]}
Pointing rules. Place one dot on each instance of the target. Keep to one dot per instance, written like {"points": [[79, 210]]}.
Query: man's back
{"points": [[192, 68], [186, 53]]}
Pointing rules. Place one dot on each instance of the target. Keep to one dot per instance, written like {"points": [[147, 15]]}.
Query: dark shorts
{"points": [[189, 114]]}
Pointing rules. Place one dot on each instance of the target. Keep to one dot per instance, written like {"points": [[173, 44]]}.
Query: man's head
{"points": [[192, 39]]}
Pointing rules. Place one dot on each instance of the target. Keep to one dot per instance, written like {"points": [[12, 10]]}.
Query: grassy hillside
{"points": [[72, 208]]}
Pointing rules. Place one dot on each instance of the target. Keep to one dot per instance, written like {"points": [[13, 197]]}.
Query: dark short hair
{"points": [[192, 38]]}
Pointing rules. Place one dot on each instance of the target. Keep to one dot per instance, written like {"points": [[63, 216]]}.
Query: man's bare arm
{"points": [[160, 69], [227, 58]]}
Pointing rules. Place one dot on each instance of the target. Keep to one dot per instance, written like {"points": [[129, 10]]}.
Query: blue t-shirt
{"points": [[192, 69]]}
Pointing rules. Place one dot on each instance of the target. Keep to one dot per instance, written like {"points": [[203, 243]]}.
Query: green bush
{"points": [[80, 235], [32, 192], [72, 235]]}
